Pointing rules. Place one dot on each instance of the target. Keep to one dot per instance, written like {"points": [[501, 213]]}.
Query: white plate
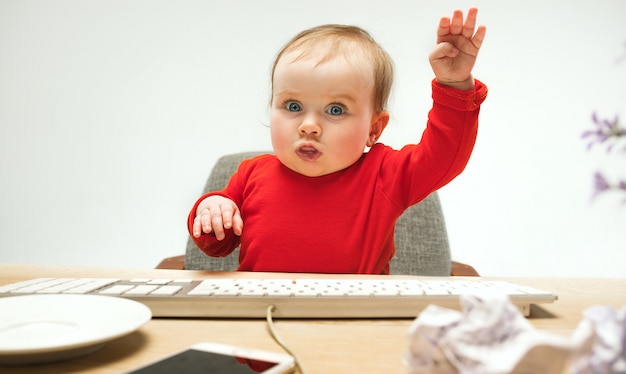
{"points": [[43, 328]]}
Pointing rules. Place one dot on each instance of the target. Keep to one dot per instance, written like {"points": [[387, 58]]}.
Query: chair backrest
{"points": [[422, 246]]}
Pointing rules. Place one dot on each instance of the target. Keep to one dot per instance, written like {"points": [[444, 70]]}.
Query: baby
{"points": [[322, 203]]}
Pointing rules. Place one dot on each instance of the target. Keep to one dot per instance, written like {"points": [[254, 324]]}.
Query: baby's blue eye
{"points": [[292, 106], [335, 110]]}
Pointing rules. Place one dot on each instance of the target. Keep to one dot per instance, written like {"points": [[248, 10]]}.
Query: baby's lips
{"points": [[307, 149], [308, 152]]}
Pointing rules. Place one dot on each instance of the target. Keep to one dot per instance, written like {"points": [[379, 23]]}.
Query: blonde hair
{"points": [[354, 43]]}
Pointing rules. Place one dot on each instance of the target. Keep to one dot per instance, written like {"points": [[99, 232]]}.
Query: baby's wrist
{"points": [[466, 85]]}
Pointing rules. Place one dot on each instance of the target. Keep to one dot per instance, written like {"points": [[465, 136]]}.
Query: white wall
{"points": [[113, 112]]}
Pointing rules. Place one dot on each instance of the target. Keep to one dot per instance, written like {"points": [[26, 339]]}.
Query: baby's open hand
{"points": [[458, 43], [215, 214]]}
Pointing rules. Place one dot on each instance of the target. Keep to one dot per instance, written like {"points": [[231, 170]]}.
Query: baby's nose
{"points": [[310, 126]]}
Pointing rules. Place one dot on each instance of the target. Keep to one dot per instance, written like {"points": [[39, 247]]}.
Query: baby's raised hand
{"points": [[457, 47], [215, 214]]}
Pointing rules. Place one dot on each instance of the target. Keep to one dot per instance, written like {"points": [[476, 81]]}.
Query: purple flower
{"points": [[600, 184], [609, 133], [606, 131]]}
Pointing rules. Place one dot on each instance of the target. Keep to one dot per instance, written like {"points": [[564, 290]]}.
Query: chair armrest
{"points": [[175, 263], [461, 269]]}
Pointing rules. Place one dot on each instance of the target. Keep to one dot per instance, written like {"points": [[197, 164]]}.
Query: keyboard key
{"points": [[118, 289], [143, 289], [139, 280], [166, 290]]}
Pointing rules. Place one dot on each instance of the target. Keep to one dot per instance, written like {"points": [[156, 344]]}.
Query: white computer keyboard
{"points": [[293, 298]]}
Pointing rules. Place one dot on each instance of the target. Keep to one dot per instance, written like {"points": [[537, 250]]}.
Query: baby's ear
{"points": [[379, 122]]}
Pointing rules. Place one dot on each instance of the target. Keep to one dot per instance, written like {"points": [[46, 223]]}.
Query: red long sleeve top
{"points": [[344, 222]]}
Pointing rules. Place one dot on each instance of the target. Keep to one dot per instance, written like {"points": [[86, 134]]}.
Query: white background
{"points": [[112, 114]]}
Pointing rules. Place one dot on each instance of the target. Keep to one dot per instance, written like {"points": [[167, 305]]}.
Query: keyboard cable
{"points": [[270, 324]]}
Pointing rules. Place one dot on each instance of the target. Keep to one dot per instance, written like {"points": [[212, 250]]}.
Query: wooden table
{"points": [[324, 346]]}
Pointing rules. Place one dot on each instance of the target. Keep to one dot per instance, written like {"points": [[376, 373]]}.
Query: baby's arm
{"points": [[457, 47], [214, 215]]}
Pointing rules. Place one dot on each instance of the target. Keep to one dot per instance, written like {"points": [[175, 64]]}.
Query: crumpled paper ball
{"points": [[608, 353], [490, 335]]}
